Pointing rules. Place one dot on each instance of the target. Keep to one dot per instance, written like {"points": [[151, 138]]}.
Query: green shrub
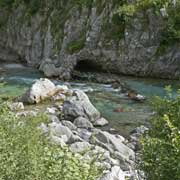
{"points": [[161, 145], [25, 154]]}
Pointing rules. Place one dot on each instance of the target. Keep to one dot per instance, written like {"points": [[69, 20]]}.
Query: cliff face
{"points": [[57, 40]]}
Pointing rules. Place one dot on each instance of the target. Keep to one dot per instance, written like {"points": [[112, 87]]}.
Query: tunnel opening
{"points": [[88, 66]]}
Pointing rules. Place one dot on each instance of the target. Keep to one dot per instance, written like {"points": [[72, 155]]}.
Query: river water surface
{"points": [[15, 79]]}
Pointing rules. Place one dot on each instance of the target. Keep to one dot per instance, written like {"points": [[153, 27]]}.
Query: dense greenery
{"points": [[161, 146], [25, 154]]}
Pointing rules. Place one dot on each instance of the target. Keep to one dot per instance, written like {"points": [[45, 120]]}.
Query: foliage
{"points": [[76, 45], [171, 30], [25, 154], [161, 145]]}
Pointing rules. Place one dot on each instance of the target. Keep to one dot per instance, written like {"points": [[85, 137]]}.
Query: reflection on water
{"points": [[106, 99]]}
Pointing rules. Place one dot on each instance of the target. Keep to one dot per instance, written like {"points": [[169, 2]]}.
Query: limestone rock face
{"points": [[84, 38], [40, 90]]}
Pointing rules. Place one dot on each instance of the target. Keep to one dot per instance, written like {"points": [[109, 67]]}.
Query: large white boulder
{"points": [[40, 90]]}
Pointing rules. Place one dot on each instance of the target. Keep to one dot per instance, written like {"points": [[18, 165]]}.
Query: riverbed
{"points": [[15, 79]]}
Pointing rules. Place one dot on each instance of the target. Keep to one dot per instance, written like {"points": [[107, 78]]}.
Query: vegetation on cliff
{"points": [[161, 146]]}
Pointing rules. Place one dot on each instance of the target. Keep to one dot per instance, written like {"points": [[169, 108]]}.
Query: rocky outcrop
{"points": [[93, 35], [112, 152]]}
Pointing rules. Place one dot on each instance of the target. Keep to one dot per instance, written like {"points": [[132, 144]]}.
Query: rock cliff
{"points": [[57, 35]]}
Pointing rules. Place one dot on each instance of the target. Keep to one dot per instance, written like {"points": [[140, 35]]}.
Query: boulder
{"points": [[40, 90], [84, 134], [115, 174], [80, 105], [69, 124], [58, 130], [80, 147], [82, 122], [110, 141], [100, 122]]}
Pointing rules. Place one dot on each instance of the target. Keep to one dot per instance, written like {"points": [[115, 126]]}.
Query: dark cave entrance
{"points": [[88, 66]]}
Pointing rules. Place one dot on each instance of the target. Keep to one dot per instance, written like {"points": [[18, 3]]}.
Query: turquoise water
{"points": [[106, 99]]}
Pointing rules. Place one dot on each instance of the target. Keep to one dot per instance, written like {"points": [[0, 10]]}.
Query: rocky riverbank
{"points": [[74, 122]]}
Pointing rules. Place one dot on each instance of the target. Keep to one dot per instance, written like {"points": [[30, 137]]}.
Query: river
{"points": [[15, 79]]}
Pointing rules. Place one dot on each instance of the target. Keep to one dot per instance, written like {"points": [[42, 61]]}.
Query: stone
{"points": [[39, 91], [82, 122], [115, 174], [56, 129], [100, 122], [53, 118], [80, 105], [58, 97], [51, 110], [16, 106], [27, 113], [112, 142], [48, 68], [44, 128], [80, 147], [57, 140], [69, 124], [84, 134]]}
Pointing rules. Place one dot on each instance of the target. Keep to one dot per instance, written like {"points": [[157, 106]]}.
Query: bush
{"points": [[161, 145], [25, 154]]}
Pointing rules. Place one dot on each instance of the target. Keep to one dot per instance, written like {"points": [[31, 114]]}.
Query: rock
{"points": [[84, 134], [80, 147], [27, 113], [53, 118], [44, 128], [80, 105], [40, 90], [112, 142], [69, 124], [16, 106], [57, 140], [115, 174], [136, 97], [56, 129], [140, 130], [82, 122], [51, 110], [48, 68], [62, 88], [58, 97], [100, 122]]}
